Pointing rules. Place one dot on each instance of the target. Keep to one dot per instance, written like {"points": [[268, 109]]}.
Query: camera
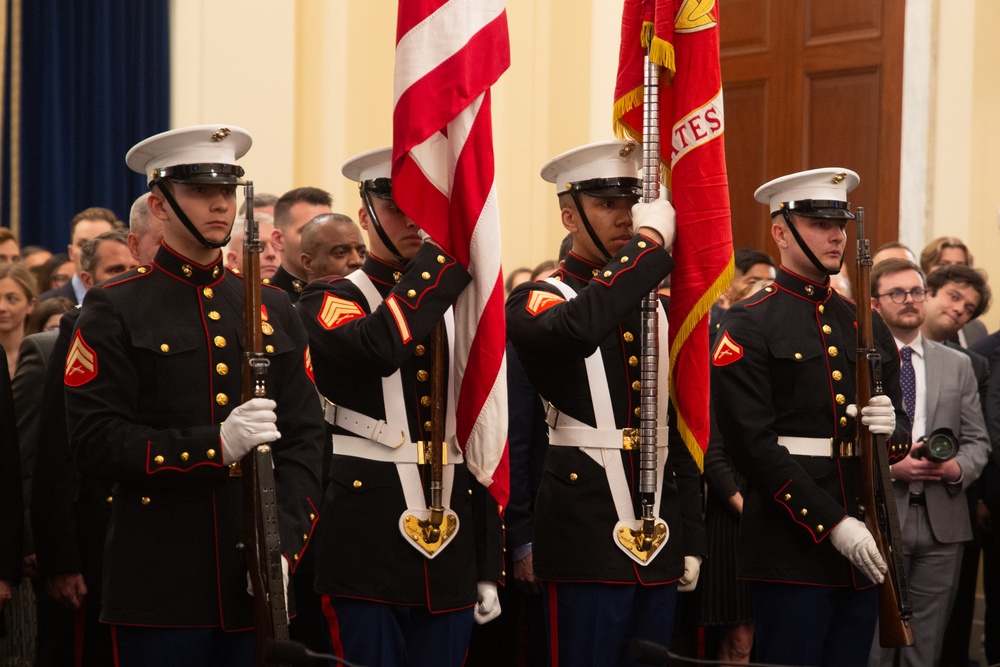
{"points": [[939, 446]]}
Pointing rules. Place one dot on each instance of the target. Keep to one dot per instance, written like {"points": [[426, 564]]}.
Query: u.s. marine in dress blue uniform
{"points": [[152, 372], [578, 338], [387, 601], [783, 378]]}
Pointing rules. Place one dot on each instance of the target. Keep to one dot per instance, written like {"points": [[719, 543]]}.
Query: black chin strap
{"points": [[586, 225], [807, 250], [182, 216], [390, 246]]}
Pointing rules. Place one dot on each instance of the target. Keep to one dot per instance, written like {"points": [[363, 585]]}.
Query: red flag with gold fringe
{"points": [[683, 37]]}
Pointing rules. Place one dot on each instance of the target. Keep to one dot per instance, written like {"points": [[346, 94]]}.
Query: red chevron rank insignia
{"points": [[336, 311], [309, 365], [540, 301], [81, 363], [727, 351]]}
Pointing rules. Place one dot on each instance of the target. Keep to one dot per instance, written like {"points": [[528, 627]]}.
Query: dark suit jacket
{"points": [[29, 379], [11, 508], [66, 291], [974, 332]]}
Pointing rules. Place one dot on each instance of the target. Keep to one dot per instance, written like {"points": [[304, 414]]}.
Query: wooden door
{"points": [[808, 84]]}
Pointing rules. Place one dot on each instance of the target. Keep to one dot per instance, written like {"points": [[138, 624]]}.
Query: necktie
{"points": [[908, 382]]}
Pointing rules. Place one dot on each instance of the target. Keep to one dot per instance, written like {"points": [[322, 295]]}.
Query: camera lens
{"points": [[939, 446]]}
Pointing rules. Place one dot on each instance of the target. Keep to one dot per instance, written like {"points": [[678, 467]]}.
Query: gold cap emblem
{"points": [[838, 178], [221, 134], [626, 150]]}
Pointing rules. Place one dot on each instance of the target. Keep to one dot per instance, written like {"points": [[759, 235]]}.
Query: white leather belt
{"points": [[565, 431], [825, 447], [362, 425], [363, 448]]}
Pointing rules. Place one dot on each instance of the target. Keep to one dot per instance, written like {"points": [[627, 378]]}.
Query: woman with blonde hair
{"points": [[17, 300]]}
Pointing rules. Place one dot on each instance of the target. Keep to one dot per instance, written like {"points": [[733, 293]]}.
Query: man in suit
{"points": [[939, 392], [944, 252], [84, 226]]}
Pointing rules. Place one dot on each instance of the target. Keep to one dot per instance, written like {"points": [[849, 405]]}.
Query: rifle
{"points": [[260, 512], [894, 610]]}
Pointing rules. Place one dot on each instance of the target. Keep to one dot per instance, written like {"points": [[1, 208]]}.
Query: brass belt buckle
{"points": [[842, 448], [630, 438]]}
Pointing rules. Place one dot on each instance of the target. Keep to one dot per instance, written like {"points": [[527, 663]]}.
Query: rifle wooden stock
{"points": [[260, 513], [876, 484]]}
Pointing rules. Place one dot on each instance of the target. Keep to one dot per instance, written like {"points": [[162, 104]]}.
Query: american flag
{"points": [[448, 55]]}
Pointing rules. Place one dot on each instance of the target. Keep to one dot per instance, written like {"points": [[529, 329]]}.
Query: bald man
{"points": [[332, 246]]}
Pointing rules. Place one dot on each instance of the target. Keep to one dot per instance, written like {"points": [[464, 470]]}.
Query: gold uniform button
{"points": [[210, 454], [637, 412], [411, 293], [213, 315], [144, 500], [425, 401], [607, 274], [427, 426], [804, 512], [219, 341], [158, 460], [295, 556], [441, 259], [798, 355], [422, 376], [624, 260], [636, 386], [840, 399], [269, 349], [312, 517], [142, 269], [305, 537], [221, 399], [822, 308], [266, 328], [837, 375], [187, 270], [425, 275], [819, 528], [419, 350], [109, 499], [185, 456], [843, 421], [628, 337], [221, 369], [573, 477], [827, 329], [642, 244], [633, 361], [164, 347], [357, 484], [266, 281], [788, 496], [832, 351], [208, 292]]}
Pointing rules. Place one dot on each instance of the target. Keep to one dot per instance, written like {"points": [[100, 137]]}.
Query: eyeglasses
{"points": [[899, 296]]}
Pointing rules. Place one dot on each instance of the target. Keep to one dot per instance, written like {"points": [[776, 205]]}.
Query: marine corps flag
{"points": [[683, 37], [448, 55]]}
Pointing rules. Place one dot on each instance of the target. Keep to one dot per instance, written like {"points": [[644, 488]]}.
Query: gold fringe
{"points": [[662, 53], [700, 309], [646, 34], [623, 105]]}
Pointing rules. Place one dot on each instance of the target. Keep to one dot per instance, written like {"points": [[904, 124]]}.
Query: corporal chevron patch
{"points": [[81, 363], [336, 311], [727, 351], [539, 301]]}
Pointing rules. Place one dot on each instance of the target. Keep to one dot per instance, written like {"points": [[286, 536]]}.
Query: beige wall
{"points": [[312, 80]]}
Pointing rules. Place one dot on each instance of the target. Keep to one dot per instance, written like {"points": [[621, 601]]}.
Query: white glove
{"points": [[692, 568], [284, 582], [851, 538], [488, 606], [879, 415], [657, 215], [249, 425]]}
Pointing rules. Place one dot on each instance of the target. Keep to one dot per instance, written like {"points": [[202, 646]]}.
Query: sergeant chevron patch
{"points": [[336, 311], [539, 301], [309, 365], [81, 363], [727, 351]]}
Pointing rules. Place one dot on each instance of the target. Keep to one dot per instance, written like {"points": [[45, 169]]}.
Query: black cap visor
{"points": [[380, 188], [818, 208], [609, 187], [202, 173]]}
